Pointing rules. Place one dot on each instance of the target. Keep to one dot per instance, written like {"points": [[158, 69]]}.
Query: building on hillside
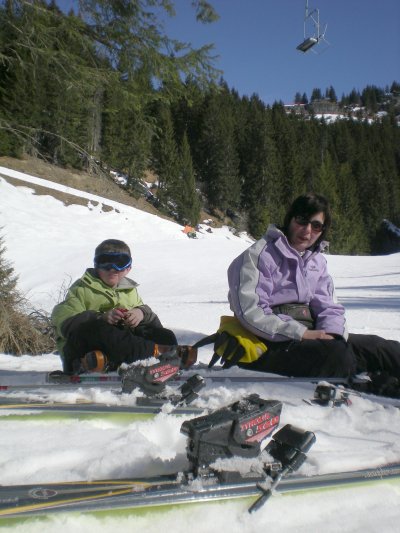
{"points": [[323, 107], [297, 109]]}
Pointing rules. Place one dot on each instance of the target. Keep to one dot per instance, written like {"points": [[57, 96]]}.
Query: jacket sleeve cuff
{"points": [[149, 316]]}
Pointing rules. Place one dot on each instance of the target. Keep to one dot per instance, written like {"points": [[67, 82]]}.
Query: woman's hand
{"points": [[314, 334]]}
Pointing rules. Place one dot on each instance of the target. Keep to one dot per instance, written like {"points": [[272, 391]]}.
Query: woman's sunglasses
{"points": [[316, 225]]}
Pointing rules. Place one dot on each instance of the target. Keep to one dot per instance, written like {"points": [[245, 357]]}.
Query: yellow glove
{"points": [[234, 344]]}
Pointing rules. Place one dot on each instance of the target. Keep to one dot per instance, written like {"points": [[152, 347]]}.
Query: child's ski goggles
{"points": [[112, 260]]}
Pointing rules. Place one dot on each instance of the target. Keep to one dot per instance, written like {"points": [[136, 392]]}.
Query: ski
{"points": [[143, 406], [60, 380], [151, 379], [155, 398], [134, 494], [113, 380]]}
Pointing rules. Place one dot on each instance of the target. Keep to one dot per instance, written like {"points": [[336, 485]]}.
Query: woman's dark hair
{"points": [[307, 205]]}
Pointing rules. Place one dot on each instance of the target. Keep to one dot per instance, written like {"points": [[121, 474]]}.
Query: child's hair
{"points": [[112, 245]]}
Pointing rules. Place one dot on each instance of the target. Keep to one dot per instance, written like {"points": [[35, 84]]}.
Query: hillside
{"points": [[100, 185]]}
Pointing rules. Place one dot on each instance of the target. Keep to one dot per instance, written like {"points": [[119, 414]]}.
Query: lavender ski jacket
{"points": [[271, 273]]}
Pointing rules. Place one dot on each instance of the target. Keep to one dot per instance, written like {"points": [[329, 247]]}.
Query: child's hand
{"points": [[133, 317], [113, 316]]}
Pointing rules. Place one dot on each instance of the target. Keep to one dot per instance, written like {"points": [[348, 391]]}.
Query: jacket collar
{"points": [[274, 234]]}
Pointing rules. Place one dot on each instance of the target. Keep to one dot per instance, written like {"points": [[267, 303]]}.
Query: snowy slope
{"points": [[184, 281]]}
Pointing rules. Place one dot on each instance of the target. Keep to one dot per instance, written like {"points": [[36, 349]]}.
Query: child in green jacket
{"points": [[103, 322]]}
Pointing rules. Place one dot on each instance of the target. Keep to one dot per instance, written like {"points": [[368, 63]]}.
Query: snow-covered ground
{"points": [[184, 281]]}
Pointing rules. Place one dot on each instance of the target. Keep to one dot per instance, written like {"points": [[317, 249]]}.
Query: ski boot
{"points": [[186, 354], [94, 361]]}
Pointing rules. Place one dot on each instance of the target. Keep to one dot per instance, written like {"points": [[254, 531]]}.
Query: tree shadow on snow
{"points": [[390, 303]]}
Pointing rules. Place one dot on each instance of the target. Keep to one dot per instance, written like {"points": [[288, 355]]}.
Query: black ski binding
{"points": [[330, 395], [58, 376], [151, 380], [288, 446], [236, 430], [188, 390]]}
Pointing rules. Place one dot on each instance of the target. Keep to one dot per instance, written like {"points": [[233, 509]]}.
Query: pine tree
{"points": [[326, 182], [259, 219], [291, 178], [331, 94], [127, 133], [355, 97], [60, 66], [252, 152], [348, 235], [389, 154], [220, 163], [254, 148], [185, 194], [187, 112], [308, 156], [343, 141], [395, 88], [297, 98], [261, 170], [166, 161], [316, 95], [8, 280]]}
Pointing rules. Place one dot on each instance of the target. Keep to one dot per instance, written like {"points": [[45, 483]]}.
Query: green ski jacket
{"points": [[88, 297]]}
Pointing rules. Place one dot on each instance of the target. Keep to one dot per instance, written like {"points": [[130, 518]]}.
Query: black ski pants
{"points": [[120, 345], [330, 358]]}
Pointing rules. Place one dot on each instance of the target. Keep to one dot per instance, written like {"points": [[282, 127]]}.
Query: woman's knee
{"points": [[342, 359]]}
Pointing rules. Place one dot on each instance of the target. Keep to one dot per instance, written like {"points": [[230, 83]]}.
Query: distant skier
{"points": [[103, 321], [280, 290]]}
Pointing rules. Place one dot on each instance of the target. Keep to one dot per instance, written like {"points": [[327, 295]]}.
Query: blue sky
{"points": [[256, 43]]}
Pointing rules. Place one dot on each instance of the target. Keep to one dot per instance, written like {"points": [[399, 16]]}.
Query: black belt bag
{"points": [[299, 312]]}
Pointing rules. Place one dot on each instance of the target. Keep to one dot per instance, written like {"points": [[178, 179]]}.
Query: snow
{"points": [[184, 281], [330, 117]]}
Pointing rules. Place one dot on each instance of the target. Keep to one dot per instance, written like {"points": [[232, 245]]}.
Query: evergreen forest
{"points": [[103, 87]]}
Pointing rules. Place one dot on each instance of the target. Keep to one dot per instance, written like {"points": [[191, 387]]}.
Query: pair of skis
{"points": [[236, 430], [212, 440], [151, 381]]}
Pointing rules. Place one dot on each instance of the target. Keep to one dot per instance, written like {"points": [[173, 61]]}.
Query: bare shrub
{"points": [[22, 331]]}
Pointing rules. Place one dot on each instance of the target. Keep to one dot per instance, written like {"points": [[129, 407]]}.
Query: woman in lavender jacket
{"points": [[281, 291]]}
